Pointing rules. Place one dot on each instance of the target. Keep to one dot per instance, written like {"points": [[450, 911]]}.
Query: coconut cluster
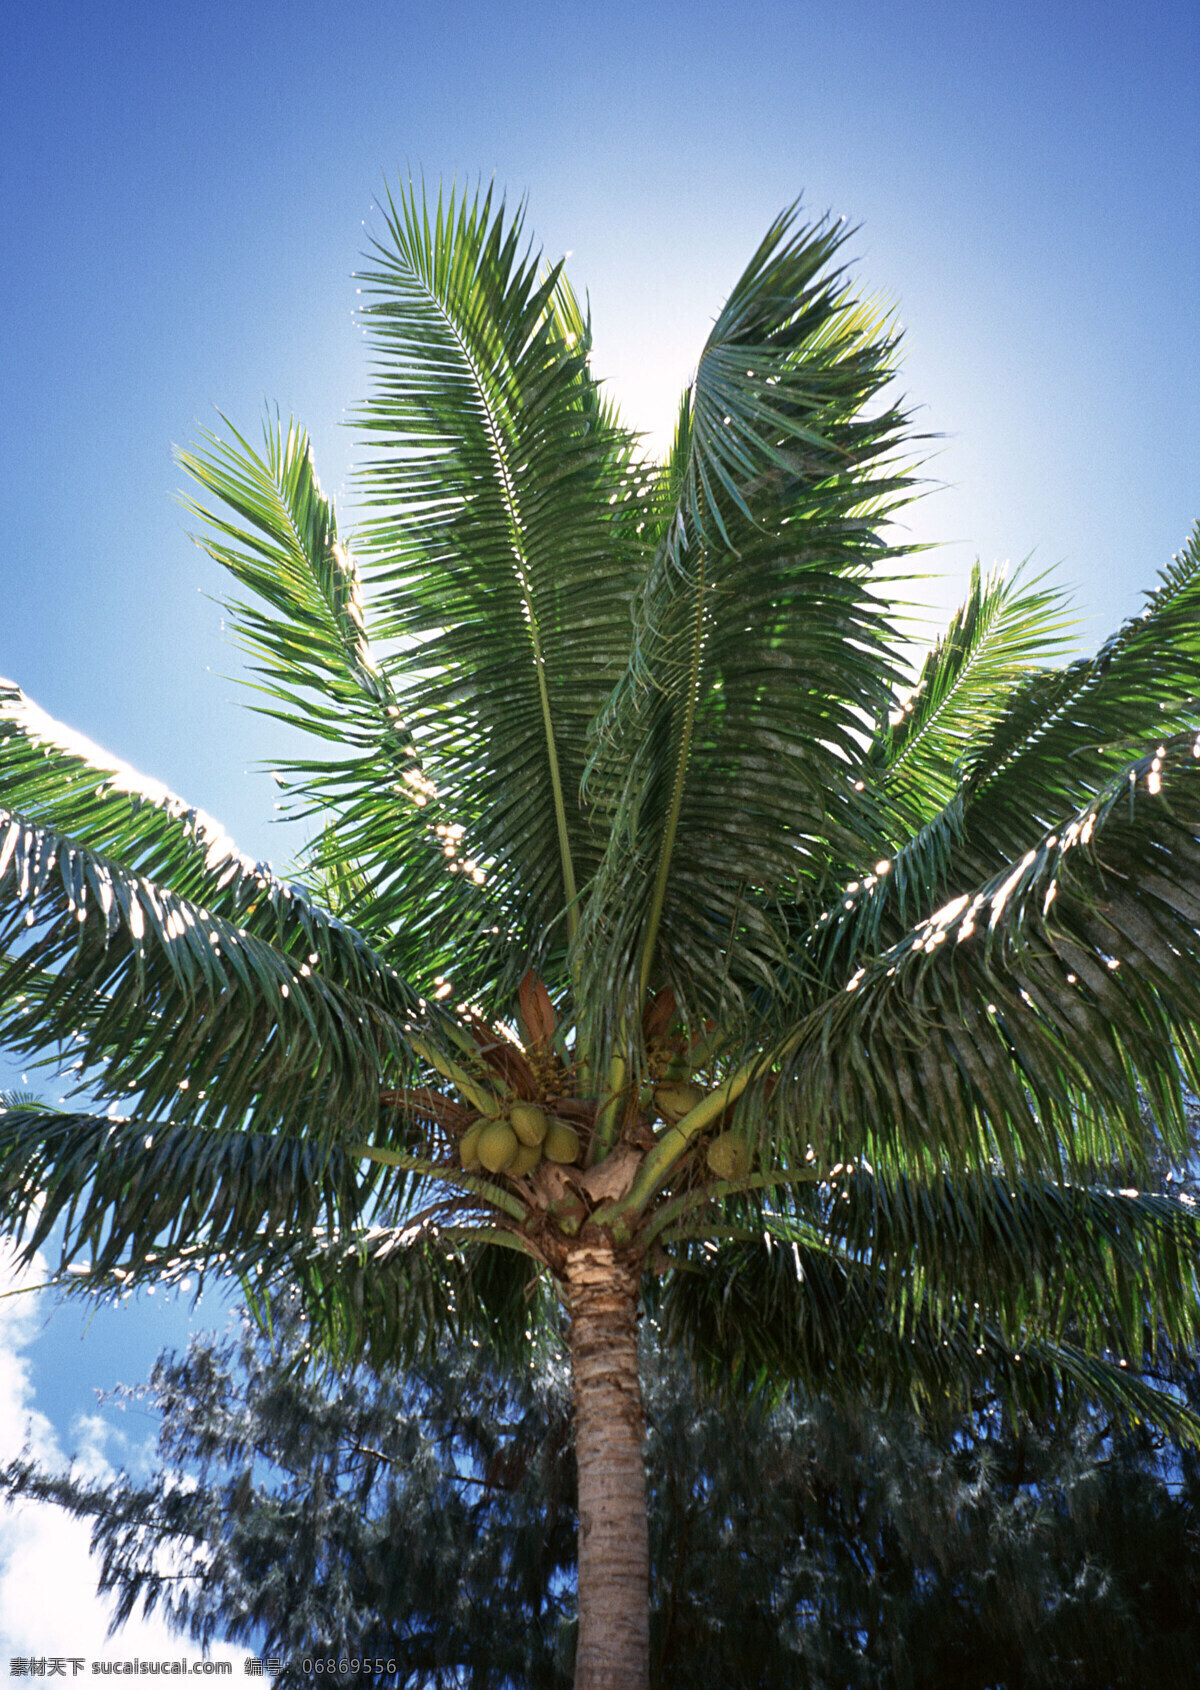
{"points": [[522, 1133], [514, 1143]]}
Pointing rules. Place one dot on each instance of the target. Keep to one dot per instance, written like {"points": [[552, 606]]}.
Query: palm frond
{"points": [[257, 1008], [131, 1202], [726, 761], [757, 1315], [1112, 1269], [506, 554], [1061, 735], [994, 639], [1027, 1020], [1066, 733], [54, 777], [141, 1200], [388, 1296], [305, 628], [307, 633]]}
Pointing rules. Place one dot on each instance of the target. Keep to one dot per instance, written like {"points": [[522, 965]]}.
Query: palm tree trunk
{"points": [[614, 1557]]}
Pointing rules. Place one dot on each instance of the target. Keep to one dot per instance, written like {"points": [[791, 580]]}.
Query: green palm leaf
{"points": [[759, 1314], [1067, 732], [726, 760], [139, 1201], [1038, 751], [1063, 733], [54, 777], [261, 1012], [1002, 631], [505, 559], [386, 1295], [307, 632], [145, 1199], [1026, 1020], [1113, 1270]]}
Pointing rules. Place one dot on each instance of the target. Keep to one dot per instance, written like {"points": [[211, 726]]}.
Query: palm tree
{"points": [[658, 940]]}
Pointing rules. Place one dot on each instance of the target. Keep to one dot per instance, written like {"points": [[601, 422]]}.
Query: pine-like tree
{"points": [[429, 1521]]}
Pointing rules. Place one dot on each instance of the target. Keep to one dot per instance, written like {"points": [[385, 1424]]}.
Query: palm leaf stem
{"points": [[725, 1233], [556, 786], [560, 809], [481, 1097], [452, 1234], [672, 819], [492, 1235], [54, 1283], [419, 1165], [675, 1142], [608, 1116]]}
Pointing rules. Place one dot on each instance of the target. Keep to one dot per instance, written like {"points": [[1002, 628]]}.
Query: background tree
{"points": [[648, 902], [429, 1520]]}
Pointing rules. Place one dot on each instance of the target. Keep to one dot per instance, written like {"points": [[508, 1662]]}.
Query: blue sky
{"points": [[188, 189]]}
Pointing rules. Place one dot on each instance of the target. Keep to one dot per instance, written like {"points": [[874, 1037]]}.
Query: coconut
{"points": [[561, 1142], [527, 1158], [729, 1156], [528, 1122], [468, 1145], [674, 1100], [497, 1145]]}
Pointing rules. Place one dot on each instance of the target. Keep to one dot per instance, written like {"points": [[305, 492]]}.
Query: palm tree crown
{"points": [[658, 936]]}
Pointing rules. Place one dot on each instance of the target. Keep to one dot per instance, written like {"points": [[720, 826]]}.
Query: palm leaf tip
{"points": [[308, 631], [51, 772], [1006, 627]]}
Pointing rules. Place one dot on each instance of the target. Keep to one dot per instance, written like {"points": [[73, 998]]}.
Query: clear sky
{"points": [[187, 190]]}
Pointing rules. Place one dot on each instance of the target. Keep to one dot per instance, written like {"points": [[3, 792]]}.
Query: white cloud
{"points": [[48, 1600]]}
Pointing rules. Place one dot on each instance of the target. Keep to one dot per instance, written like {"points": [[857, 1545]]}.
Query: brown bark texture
{"points": [[614, 1556]]}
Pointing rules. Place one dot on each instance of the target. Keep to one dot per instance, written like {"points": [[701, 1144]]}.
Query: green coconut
{"points": [[729, 1156], [525, 1161], [674, 1100], [561, 1142], [528, 1122], [468, 1146], [497, 1145]]}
